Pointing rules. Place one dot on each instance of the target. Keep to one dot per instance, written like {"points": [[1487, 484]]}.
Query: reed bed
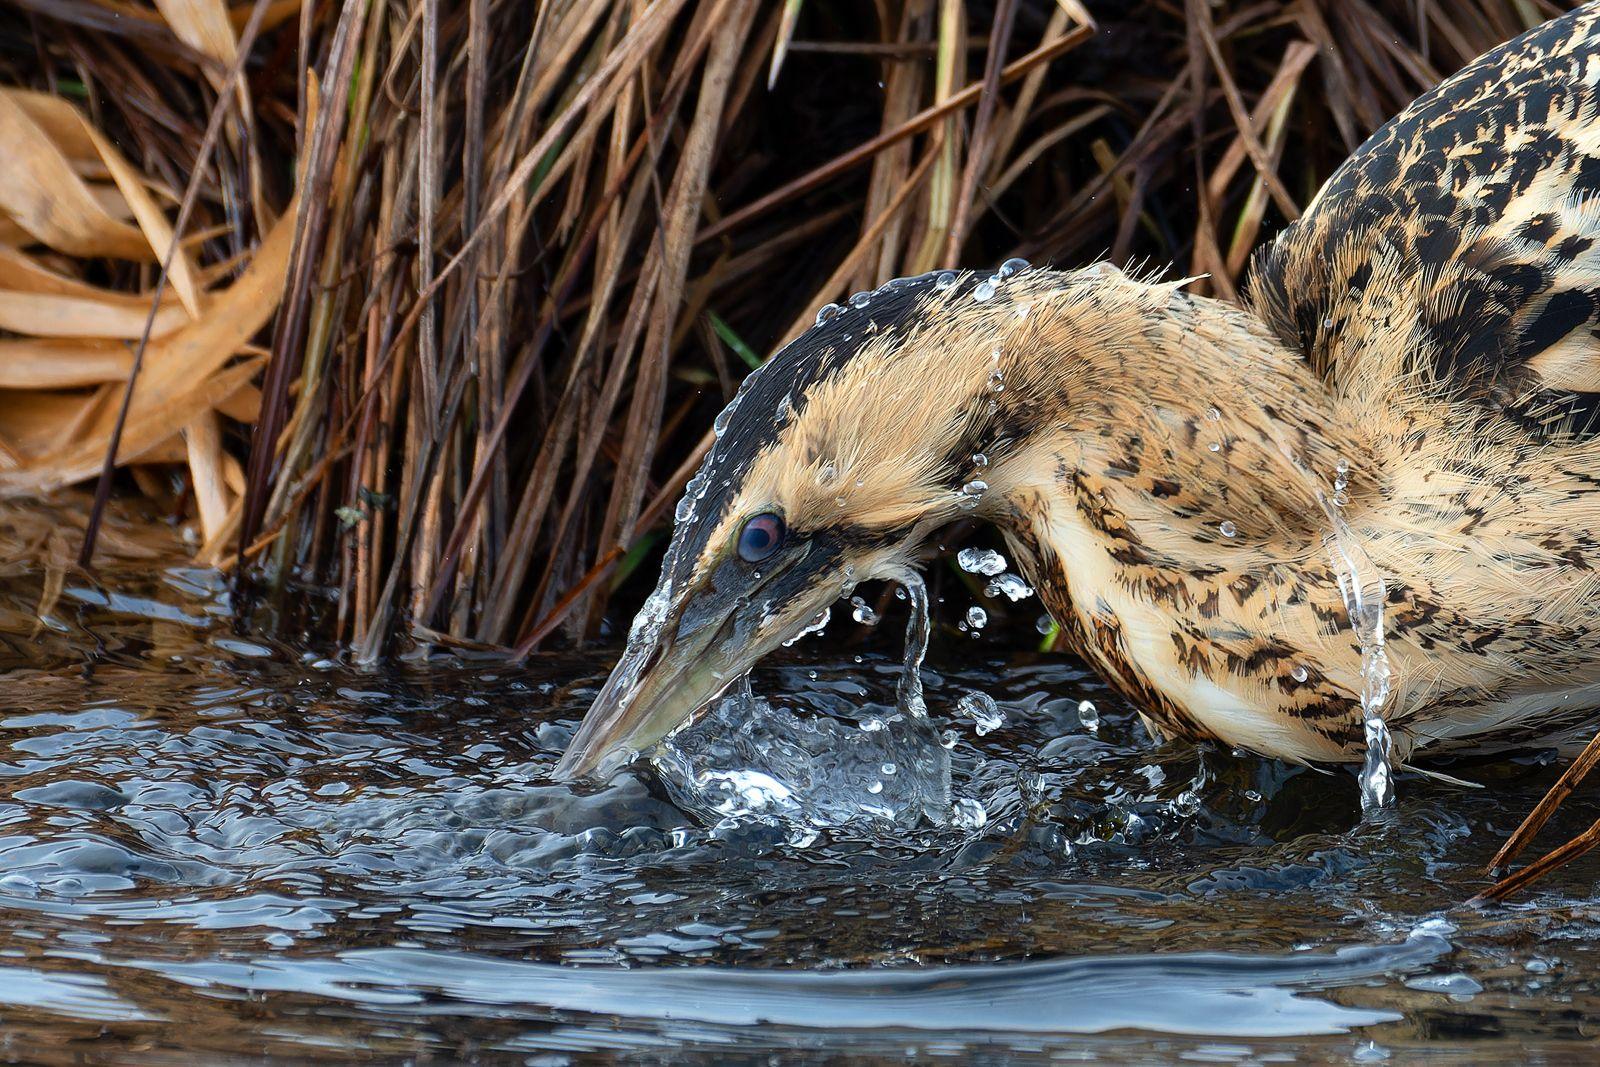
{"points": [[427, 304]]}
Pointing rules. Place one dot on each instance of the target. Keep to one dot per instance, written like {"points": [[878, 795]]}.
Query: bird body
{"points": [[1214, 502]]}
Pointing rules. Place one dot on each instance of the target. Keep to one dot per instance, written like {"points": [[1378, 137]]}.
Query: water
{"points": [[1362, 587], [217, 849], [869, 763], [984, 561], [1010, 586]]}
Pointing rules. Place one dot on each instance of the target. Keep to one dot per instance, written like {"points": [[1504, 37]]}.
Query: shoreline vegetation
{"points": [[459, 285]]}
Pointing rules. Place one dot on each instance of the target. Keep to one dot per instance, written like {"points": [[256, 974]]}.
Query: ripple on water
{"points": [[390, 843]]}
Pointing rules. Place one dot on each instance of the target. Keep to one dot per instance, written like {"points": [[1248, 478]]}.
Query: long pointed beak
{"points": [[684, 652], [657, 686]]}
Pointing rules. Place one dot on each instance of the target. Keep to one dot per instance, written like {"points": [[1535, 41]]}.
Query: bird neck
{"points": [[1172, 515], [1191, 430]]}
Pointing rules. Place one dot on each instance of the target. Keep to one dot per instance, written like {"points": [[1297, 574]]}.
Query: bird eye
{"points": [[760, 537]]}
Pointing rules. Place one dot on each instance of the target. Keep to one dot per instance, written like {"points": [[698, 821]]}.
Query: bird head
{"points": [[834, 465]]}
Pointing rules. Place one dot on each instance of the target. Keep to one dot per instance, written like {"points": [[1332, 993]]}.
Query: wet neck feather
{"points": [[1184, 426], [1171, 513]]}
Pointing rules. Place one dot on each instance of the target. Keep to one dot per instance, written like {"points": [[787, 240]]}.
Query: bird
{"points": [[1368, 494]]}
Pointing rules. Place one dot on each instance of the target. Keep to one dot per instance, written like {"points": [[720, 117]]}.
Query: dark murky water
{"points": [[219, 848]]}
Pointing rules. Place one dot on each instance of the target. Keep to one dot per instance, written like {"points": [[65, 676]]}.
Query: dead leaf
{"points": [[204, 26], [49, 363], [42, 195], [51, 315], [185, 375]]}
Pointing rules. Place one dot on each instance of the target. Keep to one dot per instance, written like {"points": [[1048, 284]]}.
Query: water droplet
{"points": [[875, 788], [1044, 624], [983, 291], [985, 714], [827, 475], [839, 500], [860, 300], [1186, 803], [1010, 586], [1089, 716], [888, 768], [1327, 323], [862, 612], [977, 618], [1228, 528], [984, 561], [1214, 446], [997, 382], [980, 460], [1011, 266], [1214, 414], [1300, 673], [944, 279], [975, 489], [827, 312]]}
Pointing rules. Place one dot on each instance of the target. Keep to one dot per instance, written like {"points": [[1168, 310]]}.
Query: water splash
{"points": [[1089, 716], [984, 712], [984, 561], [862, 612], [1362, 587], [751, 759], [1010, 586]]}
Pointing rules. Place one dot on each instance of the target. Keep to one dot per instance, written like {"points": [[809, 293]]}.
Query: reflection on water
{"points": [[218, 846]]}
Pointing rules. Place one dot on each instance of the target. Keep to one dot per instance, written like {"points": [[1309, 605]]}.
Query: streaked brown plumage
{"points": [[1163, 465]]}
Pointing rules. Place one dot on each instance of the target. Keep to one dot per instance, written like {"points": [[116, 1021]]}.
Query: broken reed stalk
{"points": [[1524, 835], [536, 240]]}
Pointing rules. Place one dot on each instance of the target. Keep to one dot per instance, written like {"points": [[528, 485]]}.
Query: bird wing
{"points": [[1458, 249]]}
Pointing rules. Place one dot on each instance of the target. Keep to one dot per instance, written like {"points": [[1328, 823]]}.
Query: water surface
{"points": [[227, 847]]}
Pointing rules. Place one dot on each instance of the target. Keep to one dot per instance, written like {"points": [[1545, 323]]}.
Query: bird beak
{"points": [[657, 686], [677, 665]]}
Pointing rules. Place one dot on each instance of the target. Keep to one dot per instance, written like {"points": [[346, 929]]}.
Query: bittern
{"points": [[1408, 401]]}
